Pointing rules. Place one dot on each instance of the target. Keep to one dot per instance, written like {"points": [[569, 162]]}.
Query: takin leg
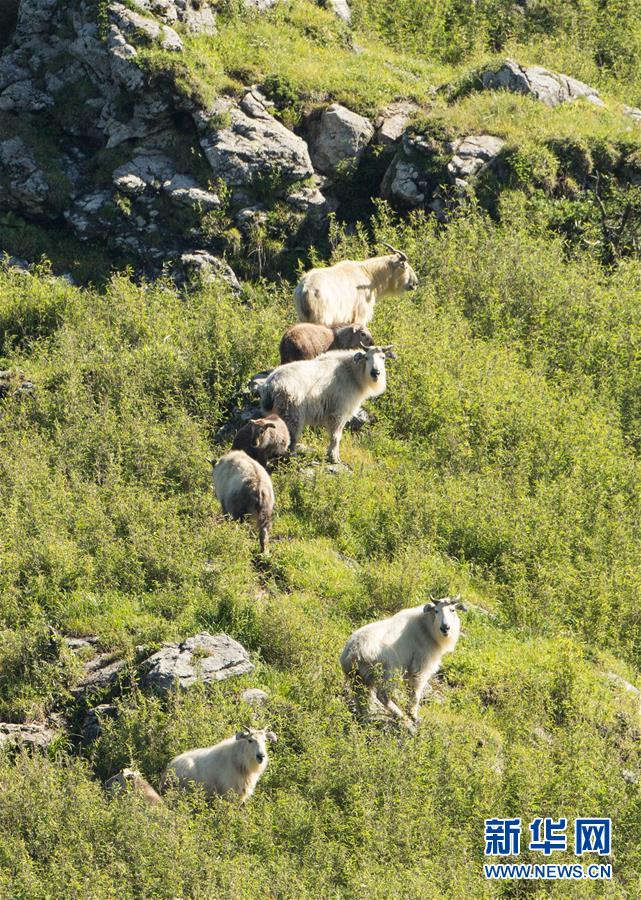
{"points": [[335, 430], [417, 685]]}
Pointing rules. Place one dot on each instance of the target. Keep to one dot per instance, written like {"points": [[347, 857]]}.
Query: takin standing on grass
{"points": [[244, 488], [409, 645], [231, 767], [326, 391], [308, 340], [347, 291], [263, 439]]}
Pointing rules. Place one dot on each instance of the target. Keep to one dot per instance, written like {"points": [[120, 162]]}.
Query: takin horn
{"points": [[399, 253]]}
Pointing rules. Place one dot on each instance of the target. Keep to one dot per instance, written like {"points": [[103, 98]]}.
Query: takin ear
{"points": [[461, 606], [269, 425], [241, 735], [271, 737], [359, 356], [429, 607]]}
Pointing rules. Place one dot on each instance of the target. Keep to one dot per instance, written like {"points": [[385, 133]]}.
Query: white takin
{"points": [[231, 767], [347, 291], [409, 645], [325, 391]]}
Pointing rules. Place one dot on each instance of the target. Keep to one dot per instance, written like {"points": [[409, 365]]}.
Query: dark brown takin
{"points": [[307, 340], [263, 439]]}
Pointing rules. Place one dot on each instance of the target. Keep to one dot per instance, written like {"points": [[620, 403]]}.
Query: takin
{"points": [[347, 291], [325, 391], [409, 645], [232, 766], [244, 488], [263, 439], [307, 340], [131, 779]]}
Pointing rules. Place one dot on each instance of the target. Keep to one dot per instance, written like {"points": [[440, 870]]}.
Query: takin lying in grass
{"points": [[307, 340], [263, 439], [409, 645], [131, 779], [231, 767], [326, 391], [347, 291], [244, 488]]}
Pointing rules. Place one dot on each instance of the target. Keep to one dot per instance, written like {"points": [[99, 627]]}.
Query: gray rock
{"points": [[194, 15], [152, 169], [200, 265], [134, 27], [27, 187], [260, 5], [404, 183], [92, 724], [204, 657], [339, 138], [185, 190], [253, 145], [393, 120], [312, 203], [91, 215], [633, 112], [254, 697], [630, 776], [550, 88], [100, 673], [472, 154], [359, 420], [30, 735]]}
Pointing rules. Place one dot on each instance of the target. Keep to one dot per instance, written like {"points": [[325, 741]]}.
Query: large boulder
{"points": [[472, 154], [203, 657], [338, 138], [244, 143], [549, 87]]}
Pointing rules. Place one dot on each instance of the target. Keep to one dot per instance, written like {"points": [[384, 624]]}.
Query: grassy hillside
{"points": [[502, 462]]}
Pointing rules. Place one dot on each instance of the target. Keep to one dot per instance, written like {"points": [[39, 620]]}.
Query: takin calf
{"points": [[308, 340], [325, 391], [410, 644], [131, 779], [263, 439], [347, 291], [231, 767], [244, 488]]}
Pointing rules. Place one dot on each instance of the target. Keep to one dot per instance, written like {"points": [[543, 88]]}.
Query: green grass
{"points": [[501, 463]]}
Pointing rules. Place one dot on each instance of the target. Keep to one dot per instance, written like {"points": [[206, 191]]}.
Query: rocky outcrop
{"points": [[550, 88], [338, 139], [423, 166], [204, 657], [24, 185], [85, 74], [244, 143], [32, 736], [195, 16]]}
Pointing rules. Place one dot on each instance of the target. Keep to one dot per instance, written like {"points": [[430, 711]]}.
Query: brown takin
{"points": [[263, 439], [131, 779], [307, 340]]}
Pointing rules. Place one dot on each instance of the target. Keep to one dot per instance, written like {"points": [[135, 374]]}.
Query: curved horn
{"points": [[364, 346], [399, 253]]}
